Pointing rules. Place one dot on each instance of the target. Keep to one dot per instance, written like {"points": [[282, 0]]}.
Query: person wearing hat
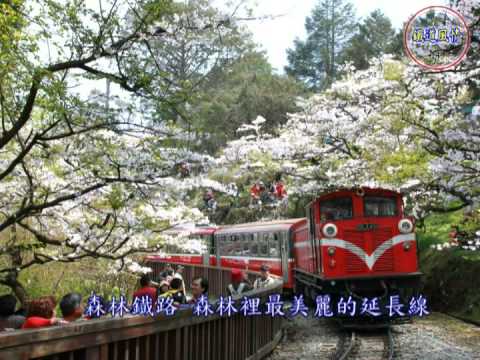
{"points": [[167, 272], [265, 279], [237, 286]]}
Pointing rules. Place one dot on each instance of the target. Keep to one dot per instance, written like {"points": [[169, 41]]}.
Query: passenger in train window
{"points": [[238, 286], [265, 279]]}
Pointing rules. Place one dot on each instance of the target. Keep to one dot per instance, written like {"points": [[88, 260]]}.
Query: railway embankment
{"points": [[452, 282]]}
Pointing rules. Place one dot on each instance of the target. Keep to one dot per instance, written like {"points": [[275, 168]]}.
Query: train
{"points": [[352, 242]]}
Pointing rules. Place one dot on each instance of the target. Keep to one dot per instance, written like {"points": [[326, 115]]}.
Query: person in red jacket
{"points": [[256, 190], [40, 313], [146, 289], [280, 190]]}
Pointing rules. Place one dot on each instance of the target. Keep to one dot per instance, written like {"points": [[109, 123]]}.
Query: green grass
{"points": [[436, 229], [451, 281]]}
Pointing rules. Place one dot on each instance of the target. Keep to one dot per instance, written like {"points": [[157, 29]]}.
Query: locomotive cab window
{"points": [[380, 206], [336, 209]]}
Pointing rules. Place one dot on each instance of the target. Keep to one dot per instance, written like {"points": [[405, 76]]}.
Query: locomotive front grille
{"points": [[385, 262], [354, 263]]}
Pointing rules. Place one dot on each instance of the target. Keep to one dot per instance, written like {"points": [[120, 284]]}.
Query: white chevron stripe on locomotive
{"points": [[369, 260]]}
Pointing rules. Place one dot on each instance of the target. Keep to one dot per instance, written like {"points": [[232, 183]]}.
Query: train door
{"points": [[284, 251], [312, 236]]}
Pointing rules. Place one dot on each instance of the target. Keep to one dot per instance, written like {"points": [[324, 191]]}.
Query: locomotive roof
{"points": [[261, 225], [366, 189]]}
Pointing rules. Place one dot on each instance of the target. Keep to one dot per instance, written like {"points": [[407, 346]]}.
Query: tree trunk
{"points": [[11, 280]]}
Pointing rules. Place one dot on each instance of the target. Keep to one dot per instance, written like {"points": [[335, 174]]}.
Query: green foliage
{"points": [[401, 165], [375, 37], [437, 228], [329, 28], [450, 281], [393, 70], [237, 94], [85, 276]]}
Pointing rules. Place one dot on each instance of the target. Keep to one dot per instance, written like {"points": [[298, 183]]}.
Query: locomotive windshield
{"points": [[337, 209], [380, 206]]}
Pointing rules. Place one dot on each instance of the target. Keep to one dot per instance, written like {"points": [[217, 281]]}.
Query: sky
{"points": [[277, 35]]}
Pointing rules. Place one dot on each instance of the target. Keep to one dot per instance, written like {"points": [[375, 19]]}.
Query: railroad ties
{"points": [[378, 345]]}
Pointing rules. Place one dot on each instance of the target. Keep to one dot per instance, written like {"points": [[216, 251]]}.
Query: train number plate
{"points": [[366, 227]]}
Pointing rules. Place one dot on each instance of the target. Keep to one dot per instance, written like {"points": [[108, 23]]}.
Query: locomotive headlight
{"points": [[405, 226], [330, 230], [407, 245], [331, 251]]}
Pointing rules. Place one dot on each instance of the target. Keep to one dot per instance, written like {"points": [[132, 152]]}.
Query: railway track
{"points": [[366, 346]]}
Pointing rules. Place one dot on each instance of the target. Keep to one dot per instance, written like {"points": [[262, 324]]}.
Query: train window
{"points": [[263, 245], [274, 245], [225, 245], [246, 244], [254, 245], [337, 209], [379, 206], [237, 245]]}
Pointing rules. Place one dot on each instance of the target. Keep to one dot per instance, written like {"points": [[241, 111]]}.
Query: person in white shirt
{"points": [[265, 279], [179, 275]]}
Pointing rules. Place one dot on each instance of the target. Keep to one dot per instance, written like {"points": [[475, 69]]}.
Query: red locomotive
{"points": [[357, 243], [352, 242]]}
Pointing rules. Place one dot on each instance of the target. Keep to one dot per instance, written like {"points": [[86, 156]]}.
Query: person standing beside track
{"points": [[265, 279], [238, 286], [199, 288]]}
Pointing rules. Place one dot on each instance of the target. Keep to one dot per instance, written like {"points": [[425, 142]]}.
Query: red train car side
{"points": [[248, 246]]}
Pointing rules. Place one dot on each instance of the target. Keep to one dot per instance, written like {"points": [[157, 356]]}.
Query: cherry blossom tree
{"points": [[393, 125], [83, 174]]}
